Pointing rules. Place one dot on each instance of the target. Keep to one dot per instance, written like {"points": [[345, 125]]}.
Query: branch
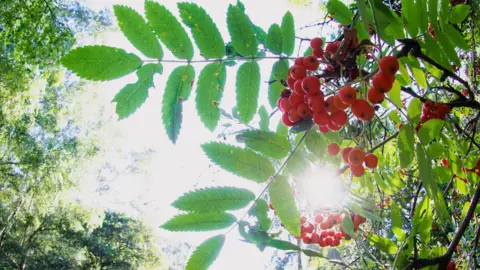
{"points": [[247, 58]]}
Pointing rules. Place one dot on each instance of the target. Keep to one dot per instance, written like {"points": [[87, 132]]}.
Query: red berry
{"points": [[329, 241], [316, 103], [445, 162], [316, 43], [297, 87], [311, 85], [299, 61], [303, 220], [318, 219], [286, 93], [284, 105], [333, 127], [356, 157], [286, 121], [322, 242], [307, 240], [400, 126], [339, 118], [298, 72], [357, 171], [318, 53], [332, 47], [338, 235], [321, 118], [382, 82], [270, 206], [303, 110], [336, 242], [295, 99], [389, 65], [324, 234], [333, 149], [290, 82], [311, 63], [345, 153], [363, 110], [375, 96], [347, 95], [337, 102], [451, 266], [293, 115], [307, 228], [323, 129], [371, 161], [329, 104]]}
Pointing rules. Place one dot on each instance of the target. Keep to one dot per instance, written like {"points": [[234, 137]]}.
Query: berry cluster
{"points": [[356, 158], [383, 81], [434, 110]]}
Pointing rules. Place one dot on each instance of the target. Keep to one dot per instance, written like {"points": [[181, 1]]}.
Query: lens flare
{"points": [[323, 188]]}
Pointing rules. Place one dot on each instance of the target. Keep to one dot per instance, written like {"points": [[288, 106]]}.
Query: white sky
{"points": [[172, 170]]}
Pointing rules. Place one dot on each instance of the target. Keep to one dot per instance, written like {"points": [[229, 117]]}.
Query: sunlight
{"points": [[323, 188]]}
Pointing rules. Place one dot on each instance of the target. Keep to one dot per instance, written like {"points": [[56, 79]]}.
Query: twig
{"points": [[220, 60]]}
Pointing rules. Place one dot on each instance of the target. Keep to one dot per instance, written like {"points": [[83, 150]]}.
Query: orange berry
{"points": [[375, 96], [347, 95], [298, 72], [371, 161], [363, 110], [337, 102], [389, 65], [356, 157], [303, 110], [382, 82], [333, 149]]}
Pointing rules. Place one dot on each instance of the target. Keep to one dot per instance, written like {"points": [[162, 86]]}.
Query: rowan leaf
{"points": [[459, 13], [247, 88], [242, 162], [101, 63], [260, 211], [275, 39], [430, 130], [132, 96], [199, 222], [277, 79], [214, 199], [396, 217], [383, 244], [206, 253], [340, 12], [169, 30], [414, 111], [177, 91], [210, 87], [138, 32], [204, 31], [264, 119], [241, 32], [267, 143], [281, 197], [288, 34]]}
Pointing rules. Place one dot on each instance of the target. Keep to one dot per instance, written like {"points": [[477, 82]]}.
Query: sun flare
{"points": [[323, 188]]}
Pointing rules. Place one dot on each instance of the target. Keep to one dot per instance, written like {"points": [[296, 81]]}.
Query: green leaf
{"points": [[210, 87], [421, 6], [247, 88], [434, 51], [436, 150], [308, 51], [275, 39], [264, 119], [169, 30], [428, 178], [414, 111], [177, 91], [444, 7], [347, 225], [459, 13], [447, 47], [216, 199], [444, 174], [137, 31], [199, 222], [419, 76], [260, 34], [282, 245], [312, 253], [393, 115], [403, 70], [455, 37], [383, 244], [365, 13], [396, 217], [339, 11], [405, 146], [288, 34], [316, 143], [433, 11], [281, 128], [132, 96], [100, 63], [260, 211], [430, 130], [204, 31], [410, 17], [242, 162], [394, 95], [281, 197], [422, 220], [267, 143], [241, 32], [206, 253], [279, 74]]}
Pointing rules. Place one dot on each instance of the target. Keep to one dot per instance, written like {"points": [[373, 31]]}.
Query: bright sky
{"points": [[172, 170]]}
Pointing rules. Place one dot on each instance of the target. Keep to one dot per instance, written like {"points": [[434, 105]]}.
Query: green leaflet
{"points": [[288, 34], [137, 31], [275, 39], [242, 162], [435, 52], [436, 150], [199, 222], [316, 143], [347, 225], [429, 182], [394, 94], [260, 211], [206, 253], [216, 199], [396, 217], [264, 119], [422, 220], [444, 7], [410, 17], [430, 130], [340, 12], [447, 47], [281, 129], [282, 245], [414, 111], [260, 34], [210, 89], [132, 96], [383, 244], [277, 79], [403, 70], [459, 13], [169, 30], [455, 37], [405, 144], [267, 143], [365, 13], [421, 6], [177, 91], [101, 63], [241, 32], [247, 89], [204, 31], [433, 12], [281, 196]]}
